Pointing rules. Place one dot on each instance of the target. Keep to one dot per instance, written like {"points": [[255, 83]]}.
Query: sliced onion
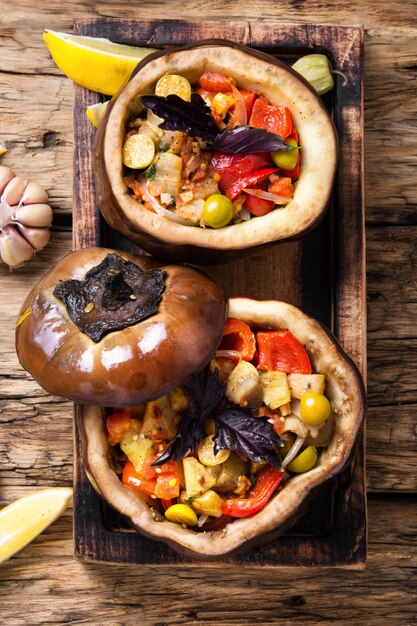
{"points": [[294, 451], [244, 215], [228, 354], [240, 107], [202, 520], [159, 209], [265, 195]]}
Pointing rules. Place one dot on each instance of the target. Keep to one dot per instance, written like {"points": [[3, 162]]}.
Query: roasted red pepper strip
{"points": [[280, 351], [233, 167], [266, 483], [131, 478], [237, 335], [215, 81], [275, 119], [247, 181]]}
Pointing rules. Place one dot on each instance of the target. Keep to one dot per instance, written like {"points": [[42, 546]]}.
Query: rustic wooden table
{"points": [[44, 584]]}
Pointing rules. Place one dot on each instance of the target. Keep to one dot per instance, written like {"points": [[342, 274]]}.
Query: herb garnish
{"points": [[150, 172], [237, 429], [195, 118]]}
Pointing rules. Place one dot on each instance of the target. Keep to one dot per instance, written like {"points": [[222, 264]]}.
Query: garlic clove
{"points": [[14, 249], [34, 194], [14, 190], [6, 175], [37, 237], [34, 215]]}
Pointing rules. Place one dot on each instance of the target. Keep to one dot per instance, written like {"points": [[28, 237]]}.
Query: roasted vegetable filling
{"points": [[210, 154], [219, 447]]}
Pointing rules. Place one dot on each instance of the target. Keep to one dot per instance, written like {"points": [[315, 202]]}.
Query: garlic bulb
{"points": [[25, 218]]}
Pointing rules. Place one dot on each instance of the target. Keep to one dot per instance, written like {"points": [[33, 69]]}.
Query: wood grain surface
{"points": [[44, 584]]}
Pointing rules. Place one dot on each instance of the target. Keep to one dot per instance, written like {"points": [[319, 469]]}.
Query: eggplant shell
{"points": [[129, 366], [345, 391], [255, 71]]}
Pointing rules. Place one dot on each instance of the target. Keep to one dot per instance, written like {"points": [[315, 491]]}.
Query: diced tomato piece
{"points": [[282, 187], [278, 423], [280, 351], [215, 81], [258, 206], [248, 98], [131, 478], [167, 486], [275, 119], [237, 335], [117, 425]]}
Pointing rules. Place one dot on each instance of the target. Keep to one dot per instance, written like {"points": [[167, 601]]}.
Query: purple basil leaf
{"points": [[190, 433], [240, 431], [205, 393], [193, 117], [246, 140]]}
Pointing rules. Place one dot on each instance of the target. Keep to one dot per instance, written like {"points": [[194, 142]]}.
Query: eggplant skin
{"points": [[129, 366], [253, 70], [346, 393]]}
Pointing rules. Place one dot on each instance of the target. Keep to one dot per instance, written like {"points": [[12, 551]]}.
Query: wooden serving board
{"points": [[324, 274]]}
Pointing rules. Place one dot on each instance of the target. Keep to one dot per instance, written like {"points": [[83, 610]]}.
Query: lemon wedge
{"points": [[96, 112], [94, 63], [3, 148], [27, 517]]}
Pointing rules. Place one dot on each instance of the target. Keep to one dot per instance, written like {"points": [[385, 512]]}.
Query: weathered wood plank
{"points": [[53, 588]]}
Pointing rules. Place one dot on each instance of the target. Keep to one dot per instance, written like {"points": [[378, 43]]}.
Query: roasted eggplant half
{"points": [[241, 527], [131, 202]]}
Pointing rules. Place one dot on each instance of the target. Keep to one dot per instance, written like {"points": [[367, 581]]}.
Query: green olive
{"points": [[217, 210], [305, 461], [314, 408], [286, 160]]}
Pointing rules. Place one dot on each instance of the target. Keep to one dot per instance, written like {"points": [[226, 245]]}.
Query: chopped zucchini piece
{"points": [[301, 383], [198, 478], [209, 503], [160, 420], [244, 386], [230, 470], [178, 399], [167, 175], [137, 447], [276, 391]]}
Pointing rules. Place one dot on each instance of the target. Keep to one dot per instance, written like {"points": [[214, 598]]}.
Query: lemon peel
{"points": [[25, 518], [94, 63], [96, 112]]}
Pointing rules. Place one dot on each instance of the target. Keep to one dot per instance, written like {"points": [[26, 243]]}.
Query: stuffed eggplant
{"points": [[212, 151], [103, 327], [230, 458]]}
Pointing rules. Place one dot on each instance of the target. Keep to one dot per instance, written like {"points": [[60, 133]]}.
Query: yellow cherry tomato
{"points": [[305, 461], [181, 514], [173, 84], [138, 151], [217, 211], [314, 408], [286, 160]]}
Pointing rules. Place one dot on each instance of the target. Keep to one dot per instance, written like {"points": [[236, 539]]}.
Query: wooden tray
{"points": [[324, 274]]}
